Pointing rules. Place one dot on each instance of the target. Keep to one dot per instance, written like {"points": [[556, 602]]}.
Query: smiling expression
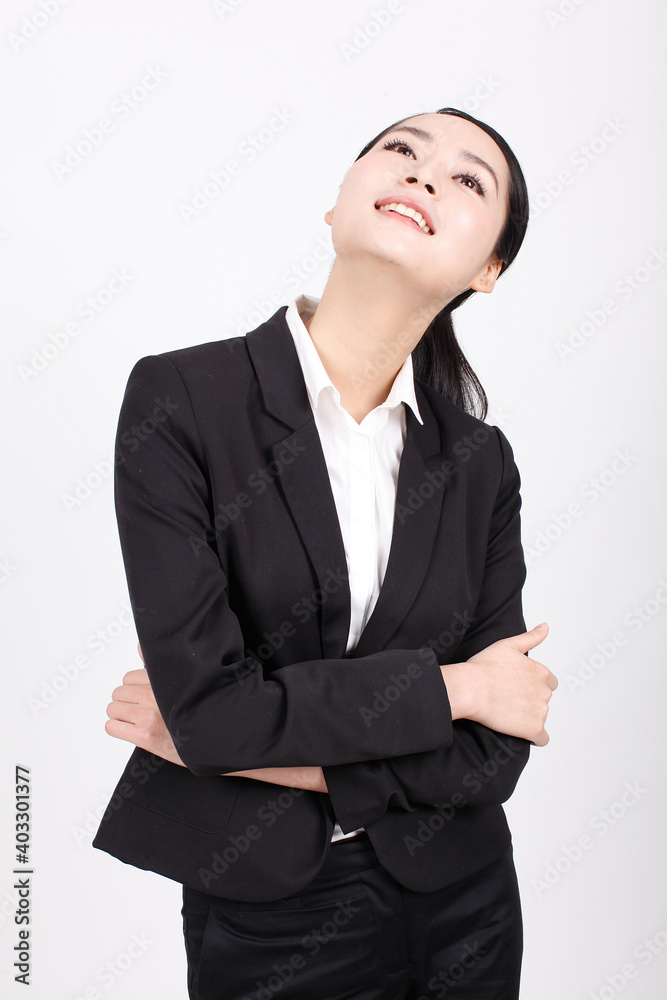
{"points": [[430, 196]]}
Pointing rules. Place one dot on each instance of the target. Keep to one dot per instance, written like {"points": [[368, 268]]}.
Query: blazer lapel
{"points": [[305, 480], [419, 496], [307, 489]]}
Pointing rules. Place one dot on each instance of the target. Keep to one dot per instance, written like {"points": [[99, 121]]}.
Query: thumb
{"points": [[528, 640]]}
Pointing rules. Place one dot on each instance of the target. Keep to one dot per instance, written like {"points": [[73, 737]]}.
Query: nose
{"points": [[414, 180]]}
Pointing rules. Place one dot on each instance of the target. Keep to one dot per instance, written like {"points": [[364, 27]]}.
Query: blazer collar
{"points": [[276, 362], [307, 490], [315, 374]]}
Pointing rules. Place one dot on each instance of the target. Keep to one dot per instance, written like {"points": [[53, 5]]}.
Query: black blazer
{"points": [[238, 583]]}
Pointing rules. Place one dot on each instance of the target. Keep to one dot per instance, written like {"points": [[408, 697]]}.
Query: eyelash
{"points": [[396, 143]]}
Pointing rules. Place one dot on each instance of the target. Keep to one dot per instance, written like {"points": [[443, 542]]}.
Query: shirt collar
{"points": [[315, 375]]}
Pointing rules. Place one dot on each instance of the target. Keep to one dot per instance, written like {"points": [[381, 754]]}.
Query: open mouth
{"points": [[410, 215]]}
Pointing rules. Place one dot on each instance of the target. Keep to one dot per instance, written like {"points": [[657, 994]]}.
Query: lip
{"points": [[409, 203]]}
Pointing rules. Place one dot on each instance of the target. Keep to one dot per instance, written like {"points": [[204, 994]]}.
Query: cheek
{"points": [[351, 199], [480, 232], [472, 221]]}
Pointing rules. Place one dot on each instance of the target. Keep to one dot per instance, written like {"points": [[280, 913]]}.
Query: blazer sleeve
{"points": [[301, 714], [478, 766]]}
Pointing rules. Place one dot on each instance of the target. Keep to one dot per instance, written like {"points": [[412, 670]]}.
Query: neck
{"points": [[364, 328]]}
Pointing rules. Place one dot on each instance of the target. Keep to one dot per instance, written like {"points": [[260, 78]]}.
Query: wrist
{"points": [[459, 689], [312, 779]]}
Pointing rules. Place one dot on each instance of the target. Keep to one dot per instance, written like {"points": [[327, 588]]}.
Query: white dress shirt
{"points": [[363, 461]]}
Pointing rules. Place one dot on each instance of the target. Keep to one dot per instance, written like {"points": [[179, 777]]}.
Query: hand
{"points": [[135, 717], [504, 689]]}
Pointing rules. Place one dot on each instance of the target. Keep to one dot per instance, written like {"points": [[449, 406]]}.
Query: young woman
{"points": [[322, 544]]}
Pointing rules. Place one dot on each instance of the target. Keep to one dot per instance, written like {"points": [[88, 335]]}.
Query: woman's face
{"points": [[456, 176]]}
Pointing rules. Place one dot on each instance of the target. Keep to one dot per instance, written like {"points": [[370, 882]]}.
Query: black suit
{"points": [[238, 581]]}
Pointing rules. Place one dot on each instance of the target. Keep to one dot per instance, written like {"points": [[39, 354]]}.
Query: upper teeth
{"points": [[396, 206]]}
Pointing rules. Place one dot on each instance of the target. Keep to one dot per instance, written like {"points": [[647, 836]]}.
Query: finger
{"points": [[528, 640], [138, 676], [129, 695], [136, 694], [140, 653], [124, 711], [545, 674], [541, 740], [123, 731]]}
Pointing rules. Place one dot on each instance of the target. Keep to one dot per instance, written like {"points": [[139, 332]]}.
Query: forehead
{"points": [[452, 133]]}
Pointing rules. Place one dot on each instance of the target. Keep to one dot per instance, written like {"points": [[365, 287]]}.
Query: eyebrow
{"points": [[420, 133]]}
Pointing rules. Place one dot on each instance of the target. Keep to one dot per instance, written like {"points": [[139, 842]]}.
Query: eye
{"points": [[399, 144], [473, 182]]}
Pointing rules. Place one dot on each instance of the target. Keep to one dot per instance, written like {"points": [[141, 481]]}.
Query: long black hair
{"points": [[438, 359]]}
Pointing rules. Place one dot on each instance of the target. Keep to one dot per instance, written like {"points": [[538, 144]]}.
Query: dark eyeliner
{"points": [[393, 143], [478, 182]]}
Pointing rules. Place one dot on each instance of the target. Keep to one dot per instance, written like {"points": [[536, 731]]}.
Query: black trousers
{"points": [[354, 933]]}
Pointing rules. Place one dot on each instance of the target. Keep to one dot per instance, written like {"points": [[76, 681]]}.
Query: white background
{"points": [[553, 84]]}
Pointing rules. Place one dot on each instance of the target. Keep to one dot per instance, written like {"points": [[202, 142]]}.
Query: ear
{"points": [[329, 216], [486, 279]]}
